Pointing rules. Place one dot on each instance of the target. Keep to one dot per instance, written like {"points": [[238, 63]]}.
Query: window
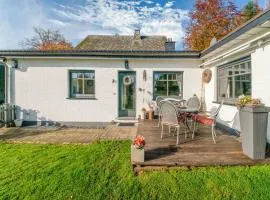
{"points": [[168, 83], [234, 79], [82, 84]]}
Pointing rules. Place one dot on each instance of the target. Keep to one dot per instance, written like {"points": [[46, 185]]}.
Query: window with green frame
{"points": [[234, 79], [168, 83], [82, 83]]}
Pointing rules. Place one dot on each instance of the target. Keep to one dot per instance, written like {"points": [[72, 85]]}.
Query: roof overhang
{"points": [[258, 25], [100, 54]]}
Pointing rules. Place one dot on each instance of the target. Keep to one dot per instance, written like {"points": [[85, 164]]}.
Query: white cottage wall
{"points": [[260, 82], [41, 86]]}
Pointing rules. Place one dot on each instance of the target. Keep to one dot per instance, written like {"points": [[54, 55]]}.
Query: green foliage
{"points": [[251, 10], [102, 170]]}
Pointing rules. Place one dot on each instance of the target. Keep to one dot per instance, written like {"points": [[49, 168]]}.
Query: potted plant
{"points": [[253, 116], [137, 149], [19, 117], [143, 113]]}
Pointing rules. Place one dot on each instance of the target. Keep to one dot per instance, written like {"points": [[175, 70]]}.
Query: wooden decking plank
{"points": [[198, 152]]}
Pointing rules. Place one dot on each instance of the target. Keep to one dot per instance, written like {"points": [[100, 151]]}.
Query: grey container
{"points": [[253, 121]]}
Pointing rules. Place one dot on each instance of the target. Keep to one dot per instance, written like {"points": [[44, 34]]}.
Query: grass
{"points": [[102, 170]]}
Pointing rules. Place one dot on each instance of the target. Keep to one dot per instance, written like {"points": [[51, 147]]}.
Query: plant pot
{"points": [[137, 155], [253, 122], [18, 122], [142, 115]]}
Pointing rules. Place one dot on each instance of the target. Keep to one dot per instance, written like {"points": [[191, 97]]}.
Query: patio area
{"points": [[56, 135], [198, 152]]}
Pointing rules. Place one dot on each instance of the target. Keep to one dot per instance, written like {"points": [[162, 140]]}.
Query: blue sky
{"points": [[79, 18]]}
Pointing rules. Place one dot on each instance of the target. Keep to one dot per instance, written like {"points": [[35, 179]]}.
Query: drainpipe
{"points": [[4, 60]]}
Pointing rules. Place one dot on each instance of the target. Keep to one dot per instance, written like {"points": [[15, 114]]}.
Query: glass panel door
{"points": [[127, 94]]}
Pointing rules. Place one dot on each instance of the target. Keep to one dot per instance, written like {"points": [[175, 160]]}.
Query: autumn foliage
{"points": [[47, 39], [211, 19], [62, 45]]}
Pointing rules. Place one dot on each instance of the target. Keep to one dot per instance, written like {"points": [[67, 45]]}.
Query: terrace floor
{"points": [[198, 152]]}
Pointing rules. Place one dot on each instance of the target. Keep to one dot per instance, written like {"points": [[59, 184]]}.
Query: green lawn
{"points": [[103, 171]]}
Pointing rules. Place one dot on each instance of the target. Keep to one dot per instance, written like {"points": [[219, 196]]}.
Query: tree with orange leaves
{"points": [[47, 40], [211, 19]]}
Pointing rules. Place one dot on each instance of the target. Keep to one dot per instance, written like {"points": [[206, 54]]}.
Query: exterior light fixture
{"points": [[126, 64]]}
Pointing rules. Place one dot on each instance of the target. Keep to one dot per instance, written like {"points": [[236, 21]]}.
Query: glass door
{"points": [[127, 94]]}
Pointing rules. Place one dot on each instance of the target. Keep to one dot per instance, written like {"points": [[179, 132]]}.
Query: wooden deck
{"points": [[198, 152]]}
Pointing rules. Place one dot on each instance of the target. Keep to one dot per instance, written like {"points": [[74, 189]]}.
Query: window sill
{"points": [[78, 98], [225, 103]]}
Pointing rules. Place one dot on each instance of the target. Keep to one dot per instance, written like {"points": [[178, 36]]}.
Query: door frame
{"points": [[118, 91]]}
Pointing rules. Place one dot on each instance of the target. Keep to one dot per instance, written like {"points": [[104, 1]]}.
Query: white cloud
{"points": [[17, 20], [122, 17], [94, 17]]}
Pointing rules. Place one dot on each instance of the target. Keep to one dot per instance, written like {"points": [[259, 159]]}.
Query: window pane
{"points": [[160, 88], [230, 88], [80, 75], [76, 87], [89, 75], [170, 76], [89, 87], [222, 86], [173, 88], [82, 83], [243, 85], [168, 83], [163, 76], [233, 83], [74, 75]]}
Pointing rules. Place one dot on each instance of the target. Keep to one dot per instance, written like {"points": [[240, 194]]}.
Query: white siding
{"points": [[260, 83], [42, 88]]}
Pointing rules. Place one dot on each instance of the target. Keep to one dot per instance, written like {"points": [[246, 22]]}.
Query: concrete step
{"points": [[126, 121]]}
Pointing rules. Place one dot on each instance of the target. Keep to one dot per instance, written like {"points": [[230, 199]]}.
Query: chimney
{"points": [[169, 45], [137, 35]]}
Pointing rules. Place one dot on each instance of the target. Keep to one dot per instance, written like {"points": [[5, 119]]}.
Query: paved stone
{"points": [[66, 135]]}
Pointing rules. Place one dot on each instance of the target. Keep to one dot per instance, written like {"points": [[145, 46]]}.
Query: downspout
{"points": [[4, 60]]}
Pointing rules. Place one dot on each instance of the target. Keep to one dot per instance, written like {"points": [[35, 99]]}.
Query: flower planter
{"points": [[137, 155], [142, 115], [18, 122], [253, 121]]}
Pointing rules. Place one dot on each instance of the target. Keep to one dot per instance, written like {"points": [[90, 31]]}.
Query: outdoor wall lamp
{"points": [[126, 64], [16, 65]]}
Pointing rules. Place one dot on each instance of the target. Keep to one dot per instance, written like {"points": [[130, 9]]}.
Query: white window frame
{"points": [[81, 96], [232, 67]]}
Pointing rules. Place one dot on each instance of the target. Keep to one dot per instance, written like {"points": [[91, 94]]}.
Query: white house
{"points": [[109, 77]]}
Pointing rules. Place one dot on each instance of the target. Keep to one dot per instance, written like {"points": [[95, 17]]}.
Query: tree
{"points": [[250, 10], [211, 19], [47, 40]]}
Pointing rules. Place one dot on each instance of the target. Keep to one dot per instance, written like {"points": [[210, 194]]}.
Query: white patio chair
{"points": [[161, 99], [208, 119], [169, 118], [193, 103]]}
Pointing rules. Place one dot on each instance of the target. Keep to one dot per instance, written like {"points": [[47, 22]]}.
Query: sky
{"points": [[78, 18]]}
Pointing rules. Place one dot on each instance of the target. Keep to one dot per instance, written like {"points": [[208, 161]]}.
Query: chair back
{"points": [[159, 99], [216, 113], [169, 113], [194, 103]]}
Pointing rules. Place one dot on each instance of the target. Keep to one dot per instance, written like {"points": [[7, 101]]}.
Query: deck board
{"points": [[198, 152]]}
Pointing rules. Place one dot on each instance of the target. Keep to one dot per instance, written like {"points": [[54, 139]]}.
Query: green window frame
{"points": [[234, 79], [167, 83], [82, 84]]}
